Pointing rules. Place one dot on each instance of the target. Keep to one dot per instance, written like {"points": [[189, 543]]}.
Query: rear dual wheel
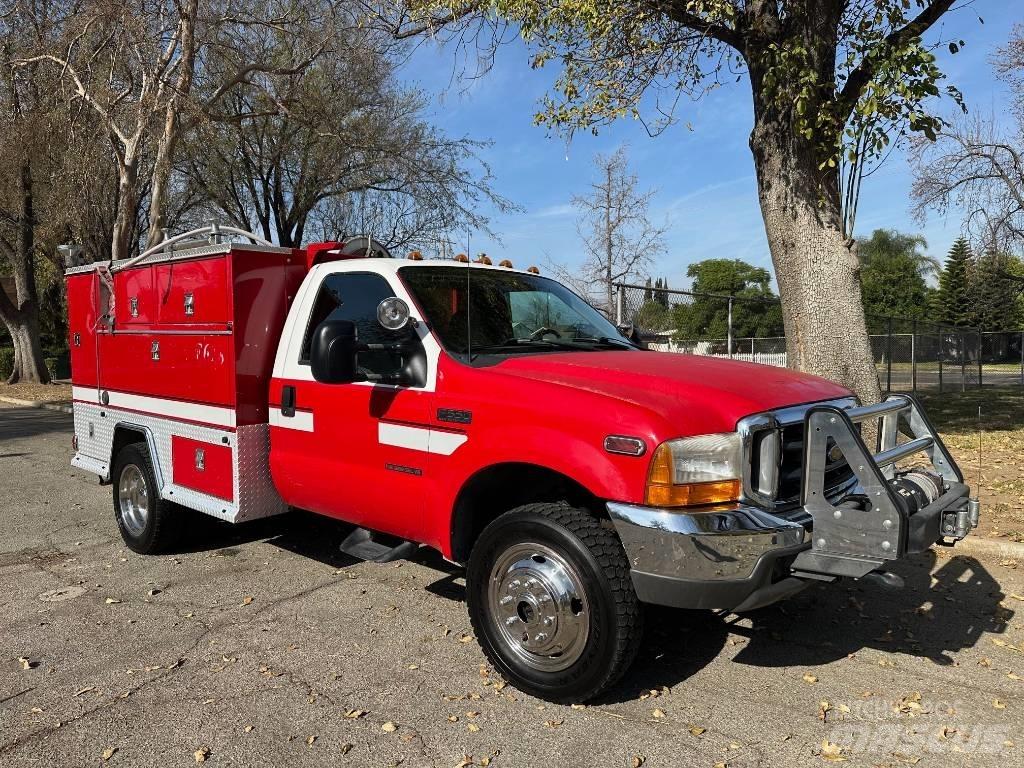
{"points": [[148, 524], [552, 603]]}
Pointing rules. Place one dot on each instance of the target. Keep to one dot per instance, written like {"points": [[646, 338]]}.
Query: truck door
{"points": [[334, 450]]}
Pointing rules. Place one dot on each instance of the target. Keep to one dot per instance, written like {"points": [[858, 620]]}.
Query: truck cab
{"points": [[493, 415]]}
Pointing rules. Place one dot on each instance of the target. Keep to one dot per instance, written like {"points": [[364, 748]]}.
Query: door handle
{"points": [[288, 401]]}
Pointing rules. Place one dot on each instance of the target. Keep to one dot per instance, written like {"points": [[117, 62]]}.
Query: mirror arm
{"points": [[397, 347], [399, 379]]}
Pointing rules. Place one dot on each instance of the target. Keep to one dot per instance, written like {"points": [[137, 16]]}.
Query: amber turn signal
{"points": [[663, 492]]}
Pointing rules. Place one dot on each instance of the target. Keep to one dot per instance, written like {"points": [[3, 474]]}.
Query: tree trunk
{"points": [[29, 366], [817, 270], [20, 313], [164, 161], [127, 204]]}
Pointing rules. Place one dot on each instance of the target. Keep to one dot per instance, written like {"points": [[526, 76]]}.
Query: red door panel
{"points": [[198, 368], [82, 311], [341, 468], [204, 467], [194, 292], [134, 297]]}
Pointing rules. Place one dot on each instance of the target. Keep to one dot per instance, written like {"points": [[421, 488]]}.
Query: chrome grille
{"points": [[774, 453]]}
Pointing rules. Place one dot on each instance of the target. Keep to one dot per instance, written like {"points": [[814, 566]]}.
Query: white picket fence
{"points": [[710, 348]]}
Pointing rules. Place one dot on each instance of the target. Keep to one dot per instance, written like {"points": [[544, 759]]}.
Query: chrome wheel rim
{"points": [[133, 499], [539, 606]]}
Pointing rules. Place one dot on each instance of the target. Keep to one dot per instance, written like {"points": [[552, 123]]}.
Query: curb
{"points": [[990, 547], [36, 404]]}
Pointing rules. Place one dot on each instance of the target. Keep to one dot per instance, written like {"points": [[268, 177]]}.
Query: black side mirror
{"points": [[333, 352]]}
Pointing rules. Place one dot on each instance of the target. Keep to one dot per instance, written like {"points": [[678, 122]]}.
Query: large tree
{"points": [[336, 162], [895, 272], [754, 307], [831, 81]]}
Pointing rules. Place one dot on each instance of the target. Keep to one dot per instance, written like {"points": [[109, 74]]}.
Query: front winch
{"points": [[917, 488]]}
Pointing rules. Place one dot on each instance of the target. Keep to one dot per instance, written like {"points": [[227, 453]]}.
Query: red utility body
{"points": [[183, 347]]}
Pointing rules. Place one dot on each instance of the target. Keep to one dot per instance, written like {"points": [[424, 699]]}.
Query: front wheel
{"points": [[552, 603]]}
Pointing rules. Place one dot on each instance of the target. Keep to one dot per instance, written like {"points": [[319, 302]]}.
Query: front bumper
{"points": [[747, 557], [705, 560]]}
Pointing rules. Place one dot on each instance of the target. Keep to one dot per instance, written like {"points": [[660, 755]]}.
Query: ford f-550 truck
{"points": [[493, 415]]}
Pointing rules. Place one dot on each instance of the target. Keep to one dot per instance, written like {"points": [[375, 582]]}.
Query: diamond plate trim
{"points": [[255, 493]]}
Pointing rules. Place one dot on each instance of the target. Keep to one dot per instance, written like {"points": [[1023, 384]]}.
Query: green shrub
{"points": [[6, 362]]}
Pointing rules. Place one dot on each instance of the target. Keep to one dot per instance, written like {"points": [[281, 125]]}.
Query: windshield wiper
{"points": [[608, 341]]}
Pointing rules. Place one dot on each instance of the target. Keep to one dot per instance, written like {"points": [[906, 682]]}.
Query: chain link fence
{"points": [[910, 355]]}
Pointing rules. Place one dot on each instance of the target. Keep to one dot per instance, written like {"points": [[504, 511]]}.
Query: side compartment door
{"points": [[354, 451]]}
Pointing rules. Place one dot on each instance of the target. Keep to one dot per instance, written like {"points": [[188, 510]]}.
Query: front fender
{"points": [[580, 458]]}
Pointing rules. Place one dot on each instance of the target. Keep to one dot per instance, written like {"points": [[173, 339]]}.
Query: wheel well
{"points": [[125, 434], [495, 490]]}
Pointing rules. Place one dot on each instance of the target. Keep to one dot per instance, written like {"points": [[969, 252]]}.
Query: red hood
{"points": [[691, 392]]}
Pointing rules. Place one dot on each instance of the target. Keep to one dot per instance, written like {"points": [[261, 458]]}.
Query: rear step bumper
{"points": [[745, 558]]}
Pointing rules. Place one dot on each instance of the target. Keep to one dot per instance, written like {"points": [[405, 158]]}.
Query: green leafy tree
{"points": [[951, 303], [894, 272], [831, 81], [754, 311]]}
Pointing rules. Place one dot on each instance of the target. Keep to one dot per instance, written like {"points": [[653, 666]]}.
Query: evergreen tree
{"points": [[952, 302], [661, 296], [993, 296]]}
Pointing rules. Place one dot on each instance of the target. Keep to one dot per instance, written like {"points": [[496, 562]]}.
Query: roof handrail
{"points": [[209, 229]]}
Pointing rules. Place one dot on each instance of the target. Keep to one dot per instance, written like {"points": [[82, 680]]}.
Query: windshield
{"points": [[484, 311]]}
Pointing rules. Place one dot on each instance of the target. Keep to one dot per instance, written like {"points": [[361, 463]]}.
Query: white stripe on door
{"points": [[419, 438], [302, 420]]}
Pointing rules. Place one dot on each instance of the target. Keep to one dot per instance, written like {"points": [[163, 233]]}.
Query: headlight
{"points": [[696, 471]]}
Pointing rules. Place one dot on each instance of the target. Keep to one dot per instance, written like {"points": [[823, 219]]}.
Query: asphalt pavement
{"points": [[263, 645]]}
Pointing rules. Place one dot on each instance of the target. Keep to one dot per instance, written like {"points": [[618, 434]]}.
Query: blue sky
{"points": [[704, 177]]}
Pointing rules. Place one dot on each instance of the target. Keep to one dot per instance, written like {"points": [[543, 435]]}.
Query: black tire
{"points": [[160, 530], [613, 615]]}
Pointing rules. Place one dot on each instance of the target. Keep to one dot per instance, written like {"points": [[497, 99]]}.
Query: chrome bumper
{"points": [[703, 559]]}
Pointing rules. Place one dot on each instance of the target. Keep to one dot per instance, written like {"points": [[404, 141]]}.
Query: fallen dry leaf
{"points": [[831, 752], [697, 730], [553, 723], [201, 754], [472, 727], [638, 760], [27, 663], [346, 748], [247, 600], [108, 753], [823, 709], [998, 704], [809, 678], [658, 713], [389, 727], [310, 741], [355, 714]]}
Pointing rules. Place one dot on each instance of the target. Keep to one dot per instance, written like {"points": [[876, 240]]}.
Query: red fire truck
{"points": [[493, 415]]}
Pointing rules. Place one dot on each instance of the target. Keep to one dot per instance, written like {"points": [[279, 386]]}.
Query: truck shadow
{"points": [[932, 616], [939, 611]]}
